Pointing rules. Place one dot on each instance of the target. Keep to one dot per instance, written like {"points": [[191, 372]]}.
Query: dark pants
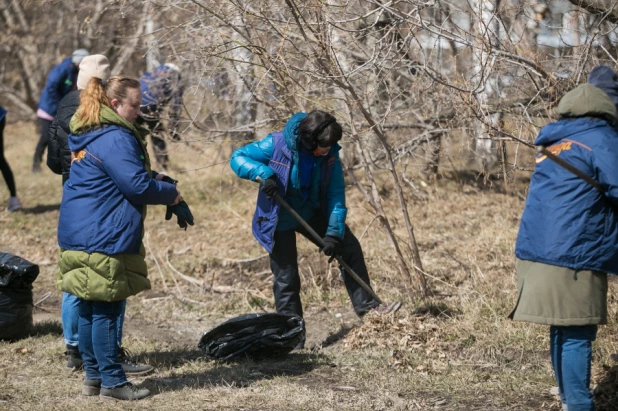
{"points": [[43, 139], [4, 166], [98, 341], [284, 265], [158, 143]]}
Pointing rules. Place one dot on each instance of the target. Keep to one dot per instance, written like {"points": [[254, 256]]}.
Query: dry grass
{"points": [[457, 352]]}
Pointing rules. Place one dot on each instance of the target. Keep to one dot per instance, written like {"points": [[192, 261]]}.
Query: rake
{"points": [[391, 308]]}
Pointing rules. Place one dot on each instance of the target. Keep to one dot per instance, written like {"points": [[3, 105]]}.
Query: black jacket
{"points": [[58, 153]]}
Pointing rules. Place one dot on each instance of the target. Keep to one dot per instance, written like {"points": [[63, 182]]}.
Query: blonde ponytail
{"points": [[90, 100]]}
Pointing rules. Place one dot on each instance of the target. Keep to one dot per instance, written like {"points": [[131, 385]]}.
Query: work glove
{"points": [[269, 187], [331, 246], [182, 212], [168, 179]]}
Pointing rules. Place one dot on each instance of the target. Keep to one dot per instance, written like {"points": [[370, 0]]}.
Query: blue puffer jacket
{"points": [[566, 221], [251, 161], [60, 81], [105, 195]]}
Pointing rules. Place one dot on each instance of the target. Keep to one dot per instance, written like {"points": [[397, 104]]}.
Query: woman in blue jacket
{"points": [[101, 224], [567, 237], [302, 165]]}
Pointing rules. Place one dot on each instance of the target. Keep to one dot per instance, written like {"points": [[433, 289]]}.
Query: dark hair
{"points": [[319, 129]]}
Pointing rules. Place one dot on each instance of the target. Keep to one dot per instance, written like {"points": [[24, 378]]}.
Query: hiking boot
{"points": [[91, 387], [126, 392], [14, 204], [129, 366], [74, 358]]}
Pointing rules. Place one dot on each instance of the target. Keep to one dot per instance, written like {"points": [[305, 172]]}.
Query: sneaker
{"points": [[91, 387], [74, 358], [129, 366], [126, 392], [14, 204]]}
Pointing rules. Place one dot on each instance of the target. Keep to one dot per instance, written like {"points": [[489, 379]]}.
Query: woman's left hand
{"points": [[178, 198]]}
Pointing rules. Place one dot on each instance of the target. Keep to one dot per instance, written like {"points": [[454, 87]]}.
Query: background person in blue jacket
{"points": [[14, 203], [567, 237], [161, 89], [302, 165], [60, 81], [58, 152]]}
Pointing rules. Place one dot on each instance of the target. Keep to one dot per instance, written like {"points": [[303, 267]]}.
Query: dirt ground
{"points": [[455, 351]]}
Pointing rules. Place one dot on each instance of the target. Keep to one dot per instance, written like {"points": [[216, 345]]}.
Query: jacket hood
{"points": [[564, 128], [587, 100], [290, 133], [585, 107], [79, 141], [82, 134], [606, 79], [107, 116]]}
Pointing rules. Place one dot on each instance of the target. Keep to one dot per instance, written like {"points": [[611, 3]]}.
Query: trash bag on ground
{"points": [[254, 335], [15, 272], [16, 278]]}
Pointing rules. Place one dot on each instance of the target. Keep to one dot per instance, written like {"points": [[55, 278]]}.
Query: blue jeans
{"points": [[70, 319], [571, 356], [98, 341]]}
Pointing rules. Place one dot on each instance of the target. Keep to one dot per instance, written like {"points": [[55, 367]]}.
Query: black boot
{"points": [[74, 358]]}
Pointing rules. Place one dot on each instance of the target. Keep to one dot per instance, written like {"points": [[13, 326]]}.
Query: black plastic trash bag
{"points": [[254, 335], [16, 278]]}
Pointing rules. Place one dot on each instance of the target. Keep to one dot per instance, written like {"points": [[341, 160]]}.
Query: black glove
{"points": [[269, 187], [168, 179], [331, 245], [182, 212]]}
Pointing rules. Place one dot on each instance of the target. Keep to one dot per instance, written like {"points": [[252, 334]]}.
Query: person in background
{"points": [[59, 161], [161, 89], [14, 203], [58, 153], [101, 257], [567, 237], [60, 81], [302, 165]]}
